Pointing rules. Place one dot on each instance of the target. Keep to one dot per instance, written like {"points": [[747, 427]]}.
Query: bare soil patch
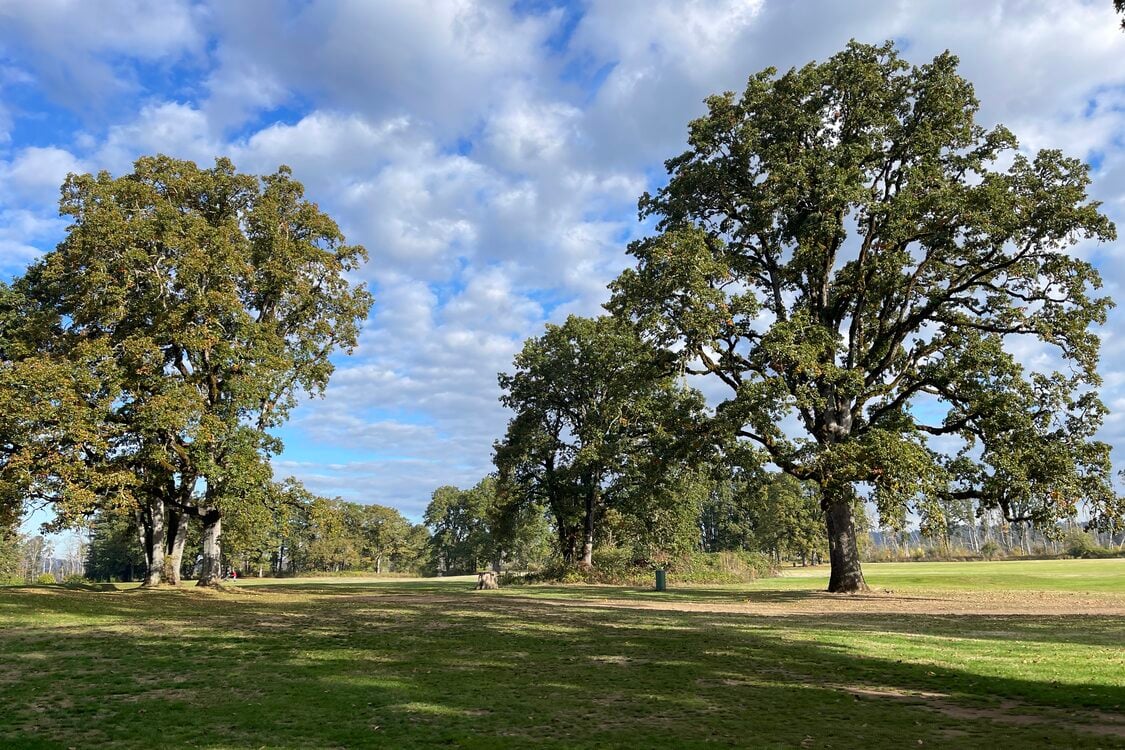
{"points": [[789, 603], [1005, 712]]}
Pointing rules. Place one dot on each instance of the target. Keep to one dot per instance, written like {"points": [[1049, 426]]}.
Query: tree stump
{"points": [[487, 579]]}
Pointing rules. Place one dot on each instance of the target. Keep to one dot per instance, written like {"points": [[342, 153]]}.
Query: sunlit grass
{"points": [[423, 663]]}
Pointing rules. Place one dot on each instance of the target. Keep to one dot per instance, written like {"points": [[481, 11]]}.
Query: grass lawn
{"points": [[997, 655]]}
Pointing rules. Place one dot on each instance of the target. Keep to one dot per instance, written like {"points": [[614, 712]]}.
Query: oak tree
{"points": [[213, 301], [851, 254], [600, 418]]}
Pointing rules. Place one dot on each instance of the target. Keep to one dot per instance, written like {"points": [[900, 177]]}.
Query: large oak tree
{"points": [[849, 252], [210, 301]]}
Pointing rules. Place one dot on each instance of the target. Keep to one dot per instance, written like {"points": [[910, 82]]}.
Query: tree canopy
{"points": [[847, 250], [600, 420], [201, 303]]}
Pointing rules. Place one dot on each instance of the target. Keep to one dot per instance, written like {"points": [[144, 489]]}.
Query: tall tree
{"points": [[413, 554], [385, 532], [461, 539], [597, 412], [764, 511], [114, 552], [213, 300], [331, 541], [842, 245]]}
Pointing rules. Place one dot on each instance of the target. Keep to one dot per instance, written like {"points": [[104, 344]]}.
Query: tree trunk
{"points": [[843, 552], [144, 535], [177, 536], [588, 530], [211, 572], [281, 561], [151, 519], [569, 543], [588, 550]]}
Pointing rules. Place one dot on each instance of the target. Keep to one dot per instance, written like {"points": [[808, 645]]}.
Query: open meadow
{"points": [[1005, 654]]}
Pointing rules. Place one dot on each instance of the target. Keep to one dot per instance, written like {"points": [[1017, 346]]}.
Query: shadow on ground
{"points": [[408, 665]]}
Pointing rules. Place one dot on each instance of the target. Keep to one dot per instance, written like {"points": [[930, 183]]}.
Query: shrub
{"points": [[45, 578], [879, 554], [720, 567], [990, 549], [620, 567], [1080, 544]]}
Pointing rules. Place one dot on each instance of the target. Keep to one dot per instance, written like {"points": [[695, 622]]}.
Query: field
{"points": [[996, 655]]}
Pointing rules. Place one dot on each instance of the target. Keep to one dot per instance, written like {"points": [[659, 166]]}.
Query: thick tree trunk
{"points": [[151, 520], [144, 537], [211, 572], [843, 552], [177, 536], [568, 541]]}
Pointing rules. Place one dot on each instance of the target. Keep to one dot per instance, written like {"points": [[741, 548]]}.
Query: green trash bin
{"points": [[661, 581]]}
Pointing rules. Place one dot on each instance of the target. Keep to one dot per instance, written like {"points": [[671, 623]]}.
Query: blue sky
{"points": [[489, 156]]}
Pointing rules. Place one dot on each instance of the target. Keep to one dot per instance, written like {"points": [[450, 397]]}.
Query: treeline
{"points": [[305, 535], [768, 515], [26, 558], [985, 534], [483, 527]]}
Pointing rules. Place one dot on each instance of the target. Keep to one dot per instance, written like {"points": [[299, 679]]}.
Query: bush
{"points": [[990, 549], [45, 578], [1080, 544], [722, 567], [619, 567]]}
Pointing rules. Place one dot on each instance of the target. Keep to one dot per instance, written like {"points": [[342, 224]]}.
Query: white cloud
{"points": [[81, 52], [444, 62], [34, 175], [172, 128], [493, 179]]}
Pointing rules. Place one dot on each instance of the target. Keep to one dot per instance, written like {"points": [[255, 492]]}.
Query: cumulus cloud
{"points": [[34, 174], [445, 62], [82, 52], [490, 157]]}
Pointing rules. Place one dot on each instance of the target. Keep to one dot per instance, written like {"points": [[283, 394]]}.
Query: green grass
{"points": [[401, 664], [1007, 575]]}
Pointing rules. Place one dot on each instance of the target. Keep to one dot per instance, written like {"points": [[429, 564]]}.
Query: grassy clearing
{"points": [[360, 663]]}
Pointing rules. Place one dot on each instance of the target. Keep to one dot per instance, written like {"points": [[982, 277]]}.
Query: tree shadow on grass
{"points": [[164, 669]]}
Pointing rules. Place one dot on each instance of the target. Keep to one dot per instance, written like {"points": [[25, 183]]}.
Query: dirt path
{"points": [[875, 602], [789, 603]]}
